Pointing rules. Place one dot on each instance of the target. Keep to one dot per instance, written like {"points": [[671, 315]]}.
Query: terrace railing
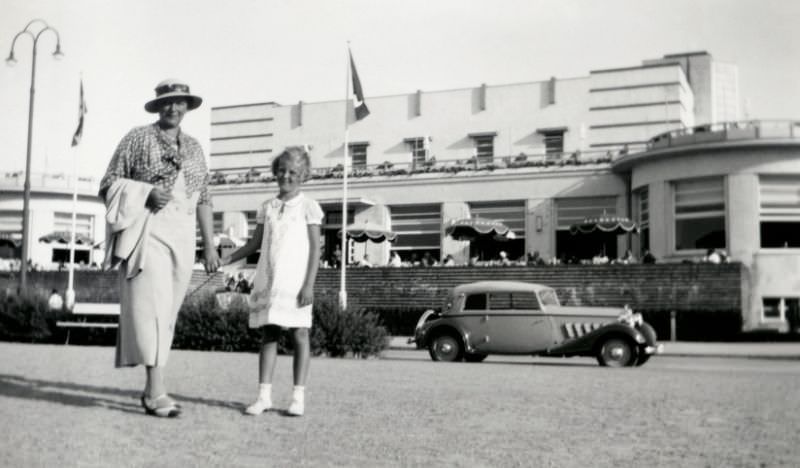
{"points": [[727, 131], [432, 165], [52, 181]]}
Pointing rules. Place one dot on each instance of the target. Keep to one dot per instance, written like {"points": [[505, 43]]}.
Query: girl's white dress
{"points": [[281, 268]]}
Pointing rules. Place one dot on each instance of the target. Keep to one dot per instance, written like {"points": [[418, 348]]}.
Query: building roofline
{"points": [[637, 67], [251, 104], [687, 54], [368, 97]]}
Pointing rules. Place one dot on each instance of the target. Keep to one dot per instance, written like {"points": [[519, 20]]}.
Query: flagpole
{"points": [[70, 294], [342, 279]]}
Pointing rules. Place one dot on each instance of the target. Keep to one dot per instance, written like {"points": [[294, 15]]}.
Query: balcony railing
{"points": [[432, 165], [727, 131], [48, 181]]}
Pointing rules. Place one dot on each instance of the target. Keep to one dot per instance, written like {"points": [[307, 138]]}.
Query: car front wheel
{"points": [[445, 348], [616, 352]]}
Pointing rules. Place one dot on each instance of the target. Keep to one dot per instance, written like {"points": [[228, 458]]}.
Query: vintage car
{"points": [[510, 317]]}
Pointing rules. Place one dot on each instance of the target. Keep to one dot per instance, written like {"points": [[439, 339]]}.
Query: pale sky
{"points": [[241, 51]]}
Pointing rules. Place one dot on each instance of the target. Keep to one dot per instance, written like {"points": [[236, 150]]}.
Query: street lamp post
{"points": [[30, 31]]}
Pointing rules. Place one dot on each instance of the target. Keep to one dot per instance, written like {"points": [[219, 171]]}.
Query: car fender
{"points": [[446, 327], [587, 343]]}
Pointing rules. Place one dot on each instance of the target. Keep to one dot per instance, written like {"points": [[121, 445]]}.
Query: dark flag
{"points": [[81, 112], [360, 106]]}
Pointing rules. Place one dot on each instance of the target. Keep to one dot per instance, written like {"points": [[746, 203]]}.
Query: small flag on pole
{"points": [[360, 106], [81, 112]]}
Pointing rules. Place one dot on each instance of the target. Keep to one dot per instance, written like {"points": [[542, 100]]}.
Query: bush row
{"points": [[203, 325]]}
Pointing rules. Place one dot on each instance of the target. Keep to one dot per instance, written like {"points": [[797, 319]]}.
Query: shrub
{"points": [[203, 325], [337, 332], [27, 318]]}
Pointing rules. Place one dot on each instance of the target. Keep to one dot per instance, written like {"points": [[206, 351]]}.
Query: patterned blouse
{"points": [[148, 154]]}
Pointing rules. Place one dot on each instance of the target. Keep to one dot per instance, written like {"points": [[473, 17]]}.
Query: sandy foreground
{"points": [[67, 406]]}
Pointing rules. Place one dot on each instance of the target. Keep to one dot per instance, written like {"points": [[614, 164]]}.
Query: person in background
{"points": [[242, 285], [427, 260], [600, 259], [648, 257], [395, 260], [712, 256], [534, 259], [55, 302], [448, 261], [628, 258], [503, 259], [156, 193], [364, 262], [288, 234], [336, 259]]}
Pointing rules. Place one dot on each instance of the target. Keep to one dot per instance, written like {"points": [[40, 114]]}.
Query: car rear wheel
{"points": [[616, 352], [643, 357], [474, 357], [445, 348]]}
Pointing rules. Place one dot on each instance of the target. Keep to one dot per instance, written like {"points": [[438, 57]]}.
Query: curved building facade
{"points": [[730, 186]]}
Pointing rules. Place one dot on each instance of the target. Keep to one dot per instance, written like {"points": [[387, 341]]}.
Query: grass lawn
{"points": [[67, 406]]}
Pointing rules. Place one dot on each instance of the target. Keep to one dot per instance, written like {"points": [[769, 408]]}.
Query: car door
{"points": [[515, 324]]}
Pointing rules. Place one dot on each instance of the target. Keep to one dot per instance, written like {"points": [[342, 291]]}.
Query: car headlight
{"points": [[629, 317]]}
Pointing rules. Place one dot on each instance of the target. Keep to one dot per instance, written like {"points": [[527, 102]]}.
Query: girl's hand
{"points": [[226, 260], [306, 296]]}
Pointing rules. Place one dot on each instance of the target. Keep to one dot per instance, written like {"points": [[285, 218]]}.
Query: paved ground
{"points": [[765, 350], [67, 406]]}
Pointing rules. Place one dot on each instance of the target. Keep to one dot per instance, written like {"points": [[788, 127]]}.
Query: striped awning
{"points": [[613, 224], [365, 232], [468, 229], [63, 237]]}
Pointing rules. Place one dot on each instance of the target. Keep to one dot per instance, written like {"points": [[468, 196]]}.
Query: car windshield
{"points": [[548, 297]]}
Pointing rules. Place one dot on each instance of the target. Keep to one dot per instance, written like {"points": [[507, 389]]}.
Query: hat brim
{"points": [[194, 101]]}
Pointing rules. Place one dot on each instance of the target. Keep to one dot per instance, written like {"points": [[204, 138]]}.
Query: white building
{"points": [[51, 213], [651, 142]]}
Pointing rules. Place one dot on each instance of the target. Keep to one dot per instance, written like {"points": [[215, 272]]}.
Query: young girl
{"points": [[287, 232]]}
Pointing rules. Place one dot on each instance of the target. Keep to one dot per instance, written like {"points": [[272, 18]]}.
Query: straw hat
{"points": [[171, 88]]}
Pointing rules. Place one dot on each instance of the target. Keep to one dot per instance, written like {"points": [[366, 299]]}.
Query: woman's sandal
{"points": [[162, 406]]}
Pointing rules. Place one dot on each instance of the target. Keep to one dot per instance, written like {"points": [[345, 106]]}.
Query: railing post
{"points": [[673, 327]]}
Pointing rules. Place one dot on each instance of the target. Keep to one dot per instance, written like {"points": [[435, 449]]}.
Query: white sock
{"points": [[265, 392], [299, 392]]}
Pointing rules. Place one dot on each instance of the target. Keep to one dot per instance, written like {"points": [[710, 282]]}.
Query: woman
{"points": [[155, 186]]}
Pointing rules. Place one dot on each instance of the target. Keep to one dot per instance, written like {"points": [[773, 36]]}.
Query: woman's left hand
{"points": [[305, 297], [212, 262]]}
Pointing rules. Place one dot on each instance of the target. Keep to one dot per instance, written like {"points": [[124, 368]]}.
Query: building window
{"points": [[779, 211], [484, 149], [419, 151], [330, 242], [358, 156], [509, 212], [572, 248], [418, 229], [83, 223], [781, 308], [216, 219], [251, 222], [642, 207], [11, 224], [553, 143], [62, 256], [699, 214]]}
